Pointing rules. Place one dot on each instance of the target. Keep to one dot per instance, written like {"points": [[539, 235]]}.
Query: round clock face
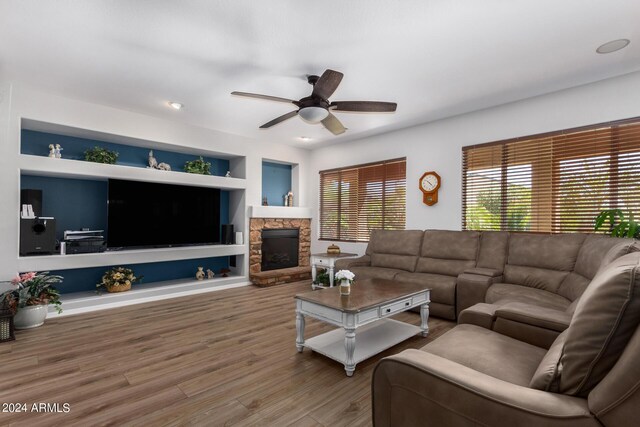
{"points": [[429, 182]]}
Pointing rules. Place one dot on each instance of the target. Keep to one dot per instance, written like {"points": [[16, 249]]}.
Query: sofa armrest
{"points": [[489, 272], [419, 388], [347, 263], [471, 289], [535, 315]]}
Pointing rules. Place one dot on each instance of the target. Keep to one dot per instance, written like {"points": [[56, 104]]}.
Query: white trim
{"points": [[292, 212]]}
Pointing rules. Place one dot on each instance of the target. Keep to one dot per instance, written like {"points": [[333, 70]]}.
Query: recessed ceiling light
{"points": [[175, 105], [613, 46], [304, 139]]}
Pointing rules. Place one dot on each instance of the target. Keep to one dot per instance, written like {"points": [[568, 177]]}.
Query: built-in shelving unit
{"points": [[83, 302], [77, 169], [138, 256]]}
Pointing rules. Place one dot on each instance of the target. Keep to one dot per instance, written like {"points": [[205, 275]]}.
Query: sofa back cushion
{"points": [[397, 249], [596, 251], [541, 261], [493, 250], [606, 316], [448, 252]]}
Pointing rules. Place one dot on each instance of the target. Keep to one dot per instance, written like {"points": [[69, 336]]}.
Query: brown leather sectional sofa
{"points": [[472, 375], [508, 273]]}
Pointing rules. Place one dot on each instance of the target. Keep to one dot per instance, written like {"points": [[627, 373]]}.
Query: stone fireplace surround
{"points": [[286, 275]]}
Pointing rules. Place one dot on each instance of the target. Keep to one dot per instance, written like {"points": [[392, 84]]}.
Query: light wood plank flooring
{"points": [[222, 358]]}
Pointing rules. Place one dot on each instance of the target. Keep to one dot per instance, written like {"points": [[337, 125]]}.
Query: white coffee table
{"points": [[365, 312]]}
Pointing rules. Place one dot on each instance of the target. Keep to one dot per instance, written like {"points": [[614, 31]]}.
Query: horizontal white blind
{"points": [[556, 182], [358, 199]]}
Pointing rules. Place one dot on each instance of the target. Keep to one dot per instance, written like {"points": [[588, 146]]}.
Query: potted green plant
{"points": [[101, 155], [118, 279], [322, 278], [198, 166], [29, 297], [618, 225]]}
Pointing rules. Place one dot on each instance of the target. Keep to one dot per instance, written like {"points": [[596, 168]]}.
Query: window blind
{"points": [[553, 183], [357, 199]]}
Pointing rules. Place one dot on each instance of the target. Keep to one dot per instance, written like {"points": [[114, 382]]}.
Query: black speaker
{"points": [[32, 197], [37, 236], [227, 234]]}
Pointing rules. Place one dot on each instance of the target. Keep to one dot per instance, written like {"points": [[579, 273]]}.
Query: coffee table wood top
{"points": [[365, 294]]}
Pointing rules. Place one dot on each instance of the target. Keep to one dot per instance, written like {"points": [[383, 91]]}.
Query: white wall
{"points": [[437, 145], [18, 102]]}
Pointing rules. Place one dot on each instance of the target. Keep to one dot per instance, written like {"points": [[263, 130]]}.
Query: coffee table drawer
{"points": [[396, 307]]}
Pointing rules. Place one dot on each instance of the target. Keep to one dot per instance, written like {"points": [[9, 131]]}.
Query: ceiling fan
{"points": [[316, 108]]}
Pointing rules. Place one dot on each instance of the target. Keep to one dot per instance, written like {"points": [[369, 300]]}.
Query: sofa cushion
{"points": [[504, 293], [489, 352], [395, 248], [443, 288], [597, 251], [374, 272], [547, 376], [541, 261], [493, 250], [605, 318], [448, 252]]}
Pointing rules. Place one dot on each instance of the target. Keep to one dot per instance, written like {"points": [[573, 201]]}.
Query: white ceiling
{"points": [[435, 58]]}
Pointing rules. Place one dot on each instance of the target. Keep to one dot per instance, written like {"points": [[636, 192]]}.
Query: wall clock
{"points": [[429, 185]]}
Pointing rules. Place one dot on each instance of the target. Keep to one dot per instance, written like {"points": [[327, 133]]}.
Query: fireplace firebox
{"points": [[280, 248]]}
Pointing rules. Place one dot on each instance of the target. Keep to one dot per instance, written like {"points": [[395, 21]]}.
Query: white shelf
{"points": [[65, 168], [84, 302], [138, 256], [371, 339], [279, 212]]}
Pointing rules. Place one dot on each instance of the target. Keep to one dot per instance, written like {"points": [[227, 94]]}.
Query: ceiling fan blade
{"points": [[334, 126], [327, 84], [267, 97], [364, 106], [279, 119]]}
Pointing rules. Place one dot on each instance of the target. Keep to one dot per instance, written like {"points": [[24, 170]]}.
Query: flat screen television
{"points": [[143, 214]]}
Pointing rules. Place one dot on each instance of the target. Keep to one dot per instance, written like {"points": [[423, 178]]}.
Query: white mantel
{"points": [[279, 212]]}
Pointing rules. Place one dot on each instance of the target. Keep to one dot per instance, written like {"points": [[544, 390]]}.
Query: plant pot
{"points": [[345, 287], [121, 288], [30, 316]]}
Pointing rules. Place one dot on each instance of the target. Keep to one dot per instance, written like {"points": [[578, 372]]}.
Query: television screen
{"points": [[143, 214]]}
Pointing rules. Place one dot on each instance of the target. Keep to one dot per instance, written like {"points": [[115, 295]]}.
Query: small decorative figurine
{"points": [[153, 163], [164, 166], [286, 199], [52, 151], [200, 273], [225, 272], [265, 202], [58, 151], [228, 174], [210, 274], [289, 198]]}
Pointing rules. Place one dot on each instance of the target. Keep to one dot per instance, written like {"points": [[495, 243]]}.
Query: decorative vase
{"points": [[200, 273], [30, 316], [345, 287]]}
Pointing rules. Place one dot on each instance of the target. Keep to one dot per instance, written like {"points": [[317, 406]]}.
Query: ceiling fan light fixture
{"points": [[313, 114], [175, 105]]}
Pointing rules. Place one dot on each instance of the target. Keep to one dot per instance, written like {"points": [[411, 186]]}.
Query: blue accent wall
{"points": [[37, 143], [85, 279], [276, 182]]}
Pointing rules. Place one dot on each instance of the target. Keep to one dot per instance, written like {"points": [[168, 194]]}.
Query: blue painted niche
{"points": [[85, 279], [276, 182], [37, 144]]}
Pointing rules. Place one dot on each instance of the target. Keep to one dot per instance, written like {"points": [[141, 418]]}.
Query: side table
{"points": [[327, 261]]}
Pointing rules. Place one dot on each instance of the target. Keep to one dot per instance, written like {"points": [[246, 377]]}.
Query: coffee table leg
{"points": [[350, 349], [424, 318], [299, 331]]}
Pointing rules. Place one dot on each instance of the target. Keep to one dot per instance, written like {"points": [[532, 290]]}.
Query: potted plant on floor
{"points": [[118, 279], [30, 296]]}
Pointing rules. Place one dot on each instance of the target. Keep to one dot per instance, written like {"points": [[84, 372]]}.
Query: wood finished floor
{"points": [[222, 358]]}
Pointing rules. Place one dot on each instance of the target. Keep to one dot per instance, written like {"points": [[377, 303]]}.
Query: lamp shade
{"points": [[313, 114]]}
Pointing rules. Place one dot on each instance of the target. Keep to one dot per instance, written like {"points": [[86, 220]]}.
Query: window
{"points": [[357, 199], [556, 182]]}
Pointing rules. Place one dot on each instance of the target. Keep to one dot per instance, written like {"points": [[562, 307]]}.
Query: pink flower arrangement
{"points": [[23, 278]]}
